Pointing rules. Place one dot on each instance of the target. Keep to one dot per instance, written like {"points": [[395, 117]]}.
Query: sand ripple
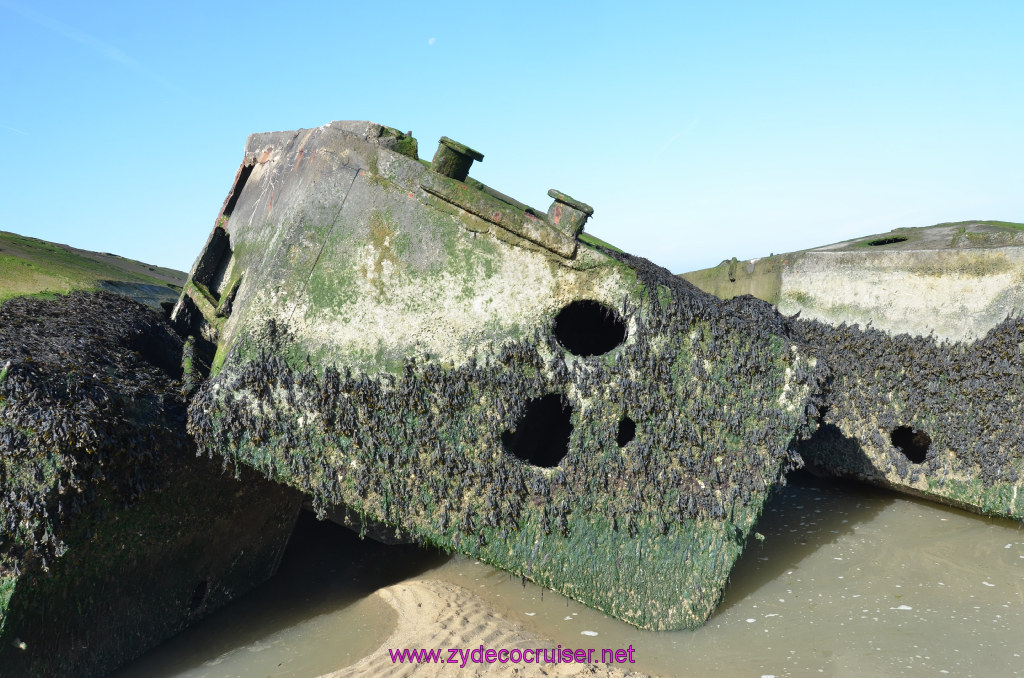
{"points": [[437, 614]]}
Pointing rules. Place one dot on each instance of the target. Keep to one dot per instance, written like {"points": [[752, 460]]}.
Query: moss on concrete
{"points": [[593, 240], [967, 398], [958, 281], [761, 278]]}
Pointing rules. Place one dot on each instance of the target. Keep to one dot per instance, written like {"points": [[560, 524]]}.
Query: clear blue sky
{"points": [[698, 130]]}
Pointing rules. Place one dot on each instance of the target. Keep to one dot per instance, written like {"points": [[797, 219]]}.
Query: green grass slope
{"points": [[29, 266]]}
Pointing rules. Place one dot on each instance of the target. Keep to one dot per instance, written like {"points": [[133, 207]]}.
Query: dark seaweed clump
{"points": [[89, 402], [967, 400]]}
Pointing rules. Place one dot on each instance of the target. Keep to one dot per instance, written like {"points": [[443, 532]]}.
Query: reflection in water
{"points": [[804, 517], [848, 581]]}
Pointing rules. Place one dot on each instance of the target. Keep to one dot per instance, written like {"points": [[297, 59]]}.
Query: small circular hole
{"points": [[913, 443], [541, 435]]}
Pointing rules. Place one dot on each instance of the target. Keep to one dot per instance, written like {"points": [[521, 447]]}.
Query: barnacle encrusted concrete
{"points": [[400, 340], [939, 420], [928, 399], [114, 536]]}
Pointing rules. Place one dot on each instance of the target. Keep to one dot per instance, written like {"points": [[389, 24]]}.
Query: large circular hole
{"points": [[586, 327], [912, 442], [627, 431], [541, 435], [886, 241]]}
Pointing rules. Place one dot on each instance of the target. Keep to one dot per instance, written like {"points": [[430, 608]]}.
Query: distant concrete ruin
{"points": [[953, 281], [920, 330]]}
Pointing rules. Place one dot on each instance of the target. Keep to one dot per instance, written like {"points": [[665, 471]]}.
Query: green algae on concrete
{"points": [[113, 535], [761, 278], [435, 356]]}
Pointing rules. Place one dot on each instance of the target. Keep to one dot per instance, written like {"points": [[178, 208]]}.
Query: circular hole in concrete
{"points": [[587, 327], [627, 431], [913, 443], [541, 435], [887, 241]]}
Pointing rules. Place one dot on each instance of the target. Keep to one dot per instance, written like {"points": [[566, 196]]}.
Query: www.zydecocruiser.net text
{"points": [[463, 656]]}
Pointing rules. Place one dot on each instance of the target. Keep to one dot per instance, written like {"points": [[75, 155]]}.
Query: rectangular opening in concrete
{"points": [[243, 176]]}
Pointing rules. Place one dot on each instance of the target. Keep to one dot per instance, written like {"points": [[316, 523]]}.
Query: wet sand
{"points": [[437, 614], [849, 581]]}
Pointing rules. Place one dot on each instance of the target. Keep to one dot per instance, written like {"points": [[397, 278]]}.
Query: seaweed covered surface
{"points": [[114, 535], [937, 419], [671, 442]]}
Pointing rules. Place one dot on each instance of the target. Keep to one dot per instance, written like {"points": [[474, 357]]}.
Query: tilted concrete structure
{"points": [[401, 342]]}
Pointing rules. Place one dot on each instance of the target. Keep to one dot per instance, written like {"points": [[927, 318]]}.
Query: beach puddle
{"points": [[848, 580]]}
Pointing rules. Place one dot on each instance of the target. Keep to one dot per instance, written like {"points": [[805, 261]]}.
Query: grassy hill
{"points": [[29, 266]]}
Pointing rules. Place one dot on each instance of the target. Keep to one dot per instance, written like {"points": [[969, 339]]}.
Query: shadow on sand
{"points": [[325, 568]]}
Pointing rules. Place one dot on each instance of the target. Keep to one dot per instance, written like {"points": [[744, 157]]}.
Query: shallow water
{"points": [[316, 615], [848, 581]]}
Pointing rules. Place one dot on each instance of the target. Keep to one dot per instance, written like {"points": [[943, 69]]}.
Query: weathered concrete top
{"points": [[954, 280], [345, 233], [952, 236]]}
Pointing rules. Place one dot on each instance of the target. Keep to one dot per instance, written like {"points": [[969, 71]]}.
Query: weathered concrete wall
{"points": [[957, 281], [761, 278], [407, 345], [357, 264], [154, 296], [113, 535], [958, 295]]}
